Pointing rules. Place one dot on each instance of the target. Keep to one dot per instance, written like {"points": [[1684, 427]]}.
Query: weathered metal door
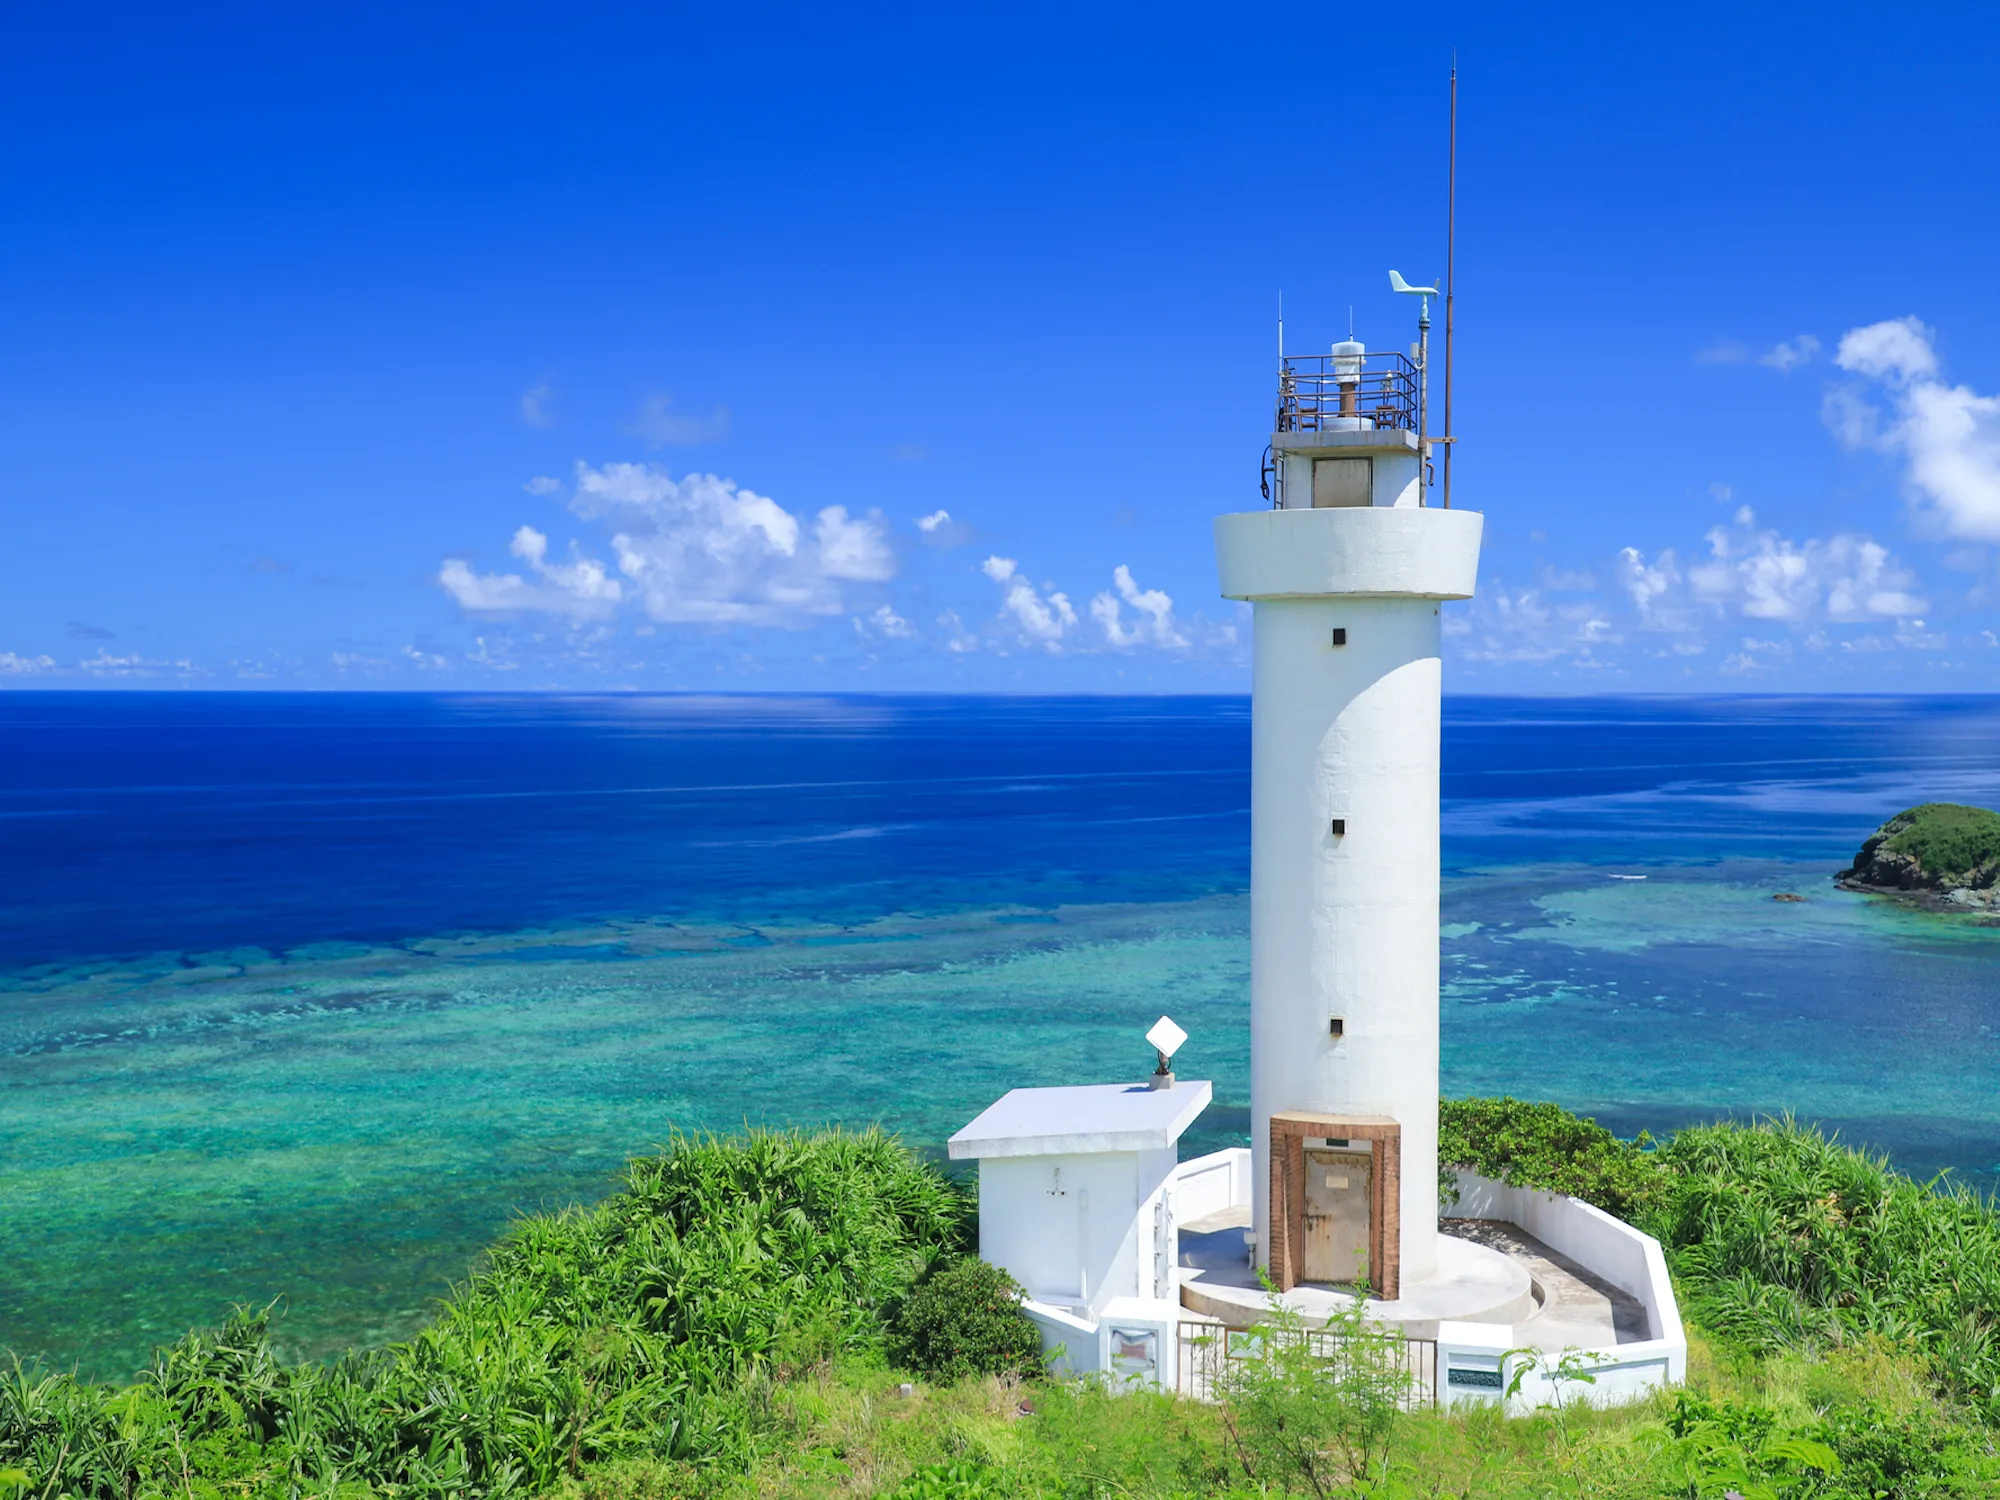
{"points": [[1336, 1202]]}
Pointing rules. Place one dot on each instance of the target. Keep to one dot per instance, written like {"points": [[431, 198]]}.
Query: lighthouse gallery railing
{"points": [[1310, 387]]}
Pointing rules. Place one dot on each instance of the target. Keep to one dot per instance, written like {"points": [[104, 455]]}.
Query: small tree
{"points": [[1316, 1409], [967, 1320]]}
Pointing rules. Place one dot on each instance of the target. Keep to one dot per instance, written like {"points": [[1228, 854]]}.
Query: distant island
{"points": [[1941, 854]]}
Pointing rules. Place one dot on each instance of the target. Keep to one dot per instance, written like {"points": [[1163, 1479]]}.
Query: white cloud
{"points": [[425, 660], [1765, 576], [704, 550], [855, 549], [1755, 573], [699, 550], [659, 424], [1947, 435], [1652, 588], [1044, 619], [535, 405], [104, 664], [1155, 610], [884, 622], [12, 665], [1897, 348], [480, 656], [957, 637], [1790, 355], [543, 484], [580, 588], [1522, 626], [940, 530]]}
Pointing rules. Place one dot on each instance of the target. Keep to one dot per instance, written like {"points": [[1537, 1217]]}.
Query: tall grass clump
{"points": [[1781, 1238], [651, 1325]]}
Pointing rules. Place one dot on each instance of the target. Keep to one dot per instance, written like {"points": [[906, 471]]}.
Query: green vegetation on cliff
{"points": [[1939, 846]]}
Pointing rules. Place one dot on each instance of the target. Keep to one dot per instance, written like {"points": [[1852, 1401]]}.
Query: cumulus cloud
{"points": [[12, 665], [1043, 618], [579, 588], [535, 405], [698, 550], [658, 424], [1154, 625], [1755, 573], [704, 550], [1948, 436]]}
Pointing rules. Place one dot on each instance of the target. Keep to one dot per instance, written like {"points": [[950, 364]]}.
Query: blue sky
{"points": [[589, 347]]}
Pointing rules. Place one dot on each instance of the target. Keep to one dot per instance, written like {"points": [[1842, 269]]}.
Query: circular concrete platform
{"points": [[1472, 1284]]}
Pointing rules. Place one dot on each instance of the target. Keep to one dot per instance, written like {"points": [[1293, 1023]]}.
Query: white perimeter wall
{"points": [[1347, 926], [1609, 1248]]}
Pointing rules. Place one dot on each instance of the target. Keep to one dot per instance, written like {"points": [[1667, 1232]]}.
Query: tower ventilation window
{"points": [[1340, 636], [1343, 483]]}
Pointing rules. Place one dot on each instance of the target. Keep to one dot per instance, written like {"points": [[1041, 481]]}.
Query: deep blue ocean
{"points": [[303, 997]]}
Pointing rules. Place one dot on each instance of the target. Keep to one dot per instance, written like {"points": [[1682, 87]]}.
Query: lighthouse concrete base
{"points": [[1473, 1283]]}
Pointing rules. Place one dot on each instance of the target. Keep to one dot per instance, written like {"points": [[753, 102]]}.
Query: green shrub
{"points": [[650, 1326], [967, 1320], [1314, 1410], [1545, 1146]]}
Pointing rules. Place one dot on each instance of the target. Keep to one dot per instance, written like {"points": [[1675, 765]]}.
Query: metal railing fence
{"points": [[1207, 1352], [1310, 392]]}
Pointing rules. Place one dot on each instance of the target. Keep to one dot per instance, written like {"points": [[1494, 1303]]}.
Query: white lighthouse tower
{"points": [[1345, 573]]}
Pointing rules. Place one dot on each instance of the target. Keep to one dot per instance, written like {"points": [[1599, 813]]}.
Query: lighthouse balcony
{"points": [[1347, 392]]}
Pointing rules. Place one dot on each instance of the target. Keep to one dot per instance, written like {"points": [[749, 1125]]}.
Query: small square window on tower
{"points": [[1340, 635], [1336, 1027]]}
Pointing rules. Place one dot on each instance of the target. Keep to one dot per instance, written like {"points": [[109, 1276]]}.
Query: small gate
{"points": [[1207, 1353]]}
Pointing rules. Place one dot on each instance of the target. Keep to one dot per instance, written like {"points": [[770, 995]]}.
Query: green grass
{"points": [[1947, 838], [724, 1325]]}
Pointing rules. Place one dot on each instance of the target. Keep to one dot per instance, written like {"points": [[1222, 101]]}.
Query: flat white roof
{"points": [[1084, 1119]]}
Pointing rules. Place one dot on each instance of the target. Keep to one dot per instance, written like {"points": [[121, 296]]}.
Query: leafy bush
{"points": [[1315, 1411], [1545, 1146], [648, 1326], [967, 1320]]}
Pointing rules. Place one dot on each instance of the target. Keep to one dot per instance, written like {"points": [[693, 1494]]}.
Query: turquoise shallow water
{"points": [[340, 1086]]}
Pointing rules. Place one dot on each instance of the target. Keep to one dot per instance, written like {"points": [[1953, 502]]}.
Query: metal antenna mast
{"points": [[1450, 281]]}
